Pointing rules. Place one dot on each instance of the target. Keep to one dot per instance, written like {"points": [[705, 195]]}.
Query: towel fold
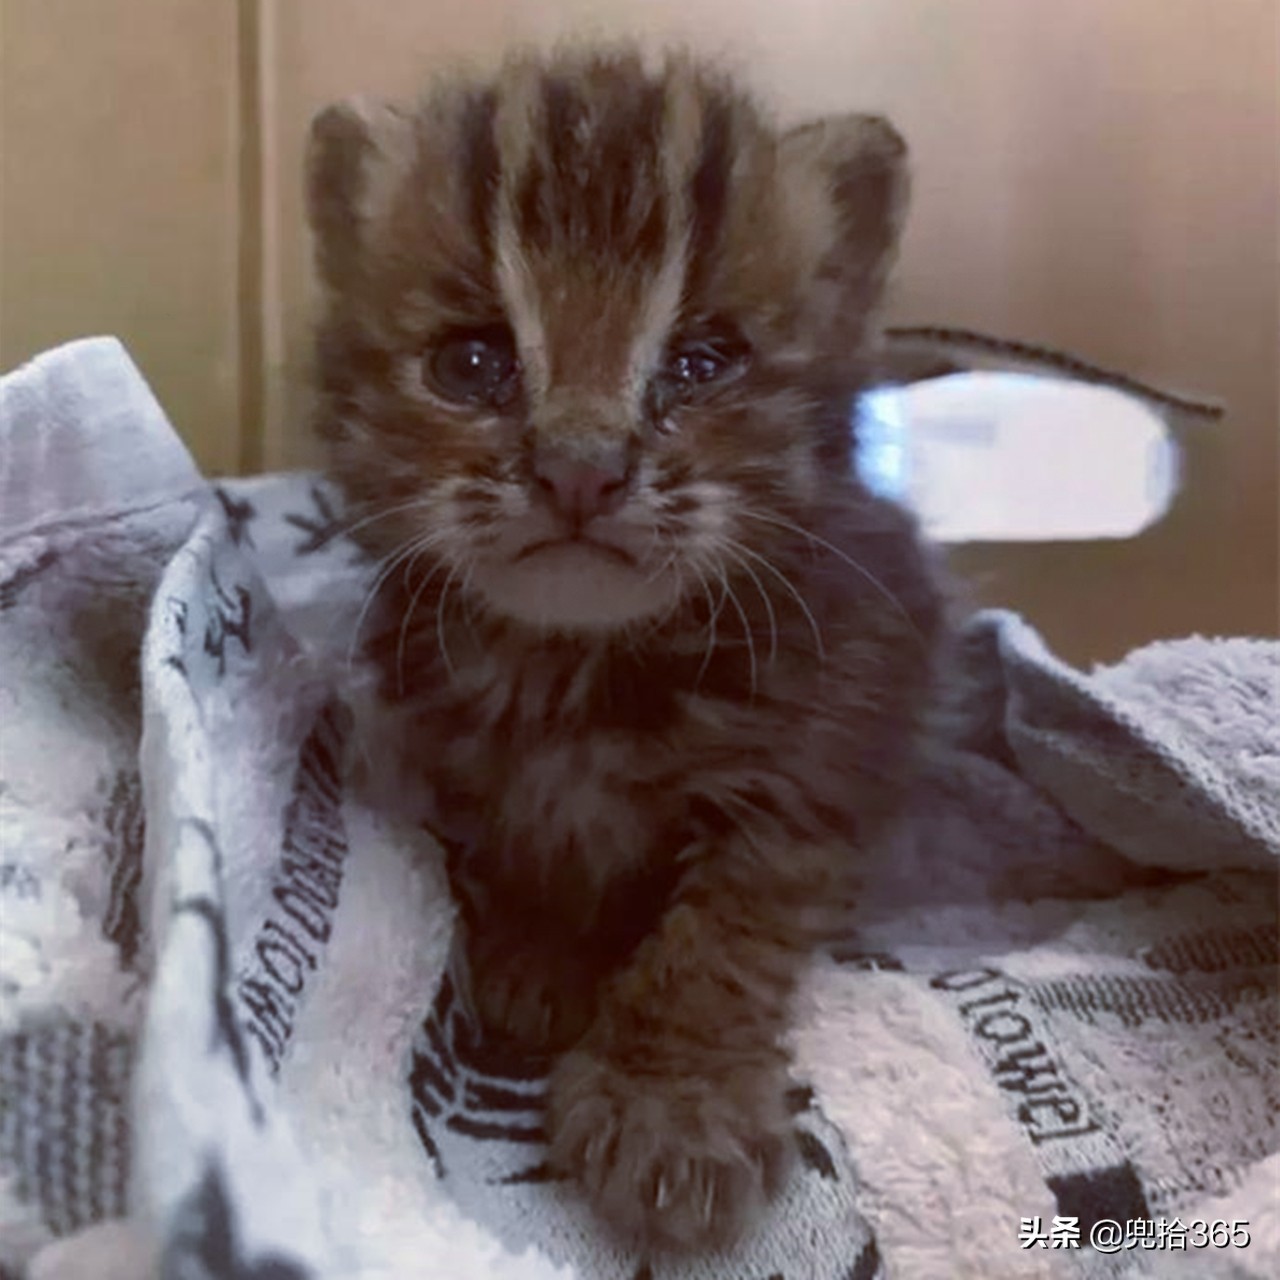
{"points": [[228, 1047]]}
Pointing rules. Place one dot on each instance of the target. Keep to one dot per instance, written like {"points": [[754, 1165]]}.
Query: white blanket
{"points": [[227, 1048]]}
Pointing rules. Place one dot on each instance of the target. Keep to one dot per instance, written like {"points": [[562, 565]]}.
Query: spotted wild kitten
{"points": [[593, 334]]}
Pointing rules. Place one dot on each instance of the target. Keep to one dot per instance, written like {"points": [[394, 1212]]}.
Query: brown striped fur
{"points": [[656, 740]]}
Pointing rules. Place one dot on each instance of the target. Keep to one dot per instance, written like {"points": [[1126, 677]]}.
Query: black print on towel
{"points": [[1216, 950], [225, 1031], [997, 1011], [321, 528], [304, 891], [178, 613], [64, 1130], [1134, 1000], [478, 1110], [238, 512], [203, 1240], [1083, 1162], [491, 1093], [123, 830], [230, 618], [475, 1089]]}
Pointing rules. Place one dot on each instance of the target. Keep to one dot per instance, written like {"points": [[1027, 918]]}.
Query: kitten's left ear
{"points": [[860, 162]]}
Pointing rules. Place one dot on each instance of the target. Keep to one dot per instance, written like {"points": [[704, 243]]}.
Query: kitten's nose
{"points": [[582, 488]]}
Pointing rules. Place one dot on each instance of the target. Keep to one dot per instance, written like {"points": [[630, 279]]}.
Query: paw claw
{"points": [[670, 1161], [596, 1148]]}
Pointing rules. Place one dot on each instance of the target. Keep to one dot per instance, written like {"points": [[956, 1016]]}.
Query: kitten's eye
{"points": [[697, 364], [476, 366]]}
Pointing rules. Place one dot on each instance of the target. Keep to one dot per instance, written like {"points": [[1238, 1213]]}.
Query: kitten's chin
{"points": [[570, 586]]}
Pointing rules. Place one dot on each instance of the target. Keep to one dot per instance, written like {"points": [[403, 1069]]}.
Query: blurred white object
{"points": [[1012, 457], [120, 1249]]}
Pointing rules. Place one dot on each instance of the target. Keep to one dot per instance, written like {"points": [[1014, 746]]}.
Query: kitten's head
{"points": [[593, 325]]}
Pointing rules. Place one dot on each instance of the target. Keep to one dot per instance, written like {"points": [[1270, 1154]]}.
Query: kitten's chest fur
{"points": [[557, 776]]}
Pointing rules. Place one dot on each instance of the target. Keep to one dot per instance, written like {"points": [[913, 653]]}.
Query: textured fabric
{"points": [[228, 1047]]}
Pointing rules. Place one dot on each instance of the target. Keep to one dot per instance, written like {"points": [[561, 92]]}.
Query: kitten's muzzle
{"points": [[610, 550], [581, 488]]}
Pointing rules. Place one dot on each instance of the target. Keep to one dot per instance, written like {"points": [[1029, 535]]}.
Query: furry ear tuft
{"points": [[861, 163], [351, 149]]}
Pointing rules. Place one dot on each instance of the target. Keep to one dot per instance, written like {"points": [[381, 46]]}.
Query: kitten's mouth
{"points": [[565, 582], [590, 545]]}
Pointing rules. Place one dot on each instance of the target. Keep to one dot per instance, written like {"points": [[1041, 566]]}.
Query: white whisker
{"points": [[711, 624], [841, 555], [400, 508], [790, 586], [408, 615], [764, 595], [746, 626], [660, 570], [386, 567], [468, 614], [440, 627]]}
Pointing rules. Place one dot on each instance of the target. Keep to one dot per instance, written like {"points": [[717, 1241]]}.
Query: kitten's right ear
{"points": [[355, 150], [860, 165]]}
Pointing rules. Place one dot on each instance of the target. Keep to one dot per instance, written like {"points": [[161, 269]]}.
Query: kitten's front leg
{"points": [[525, 986], [671, 1111]]}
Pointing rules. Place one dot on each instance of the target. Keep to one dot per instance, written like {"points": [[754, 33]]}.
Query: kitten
{"points": [[594, 332]]}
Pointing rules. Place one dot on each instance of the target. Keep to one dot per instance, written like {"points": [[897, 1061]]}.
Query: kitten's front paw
{"points": [[671, 1160], [541, 999]]}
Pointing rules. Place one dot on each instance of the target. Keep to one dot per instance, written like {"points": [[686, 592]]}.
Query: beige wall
{"points": [[118, 195], [1095, 174]]}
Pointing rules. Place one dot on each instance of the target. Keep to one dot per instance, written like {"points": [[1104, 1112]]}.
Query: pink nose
{"points": [[578, 488]]}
